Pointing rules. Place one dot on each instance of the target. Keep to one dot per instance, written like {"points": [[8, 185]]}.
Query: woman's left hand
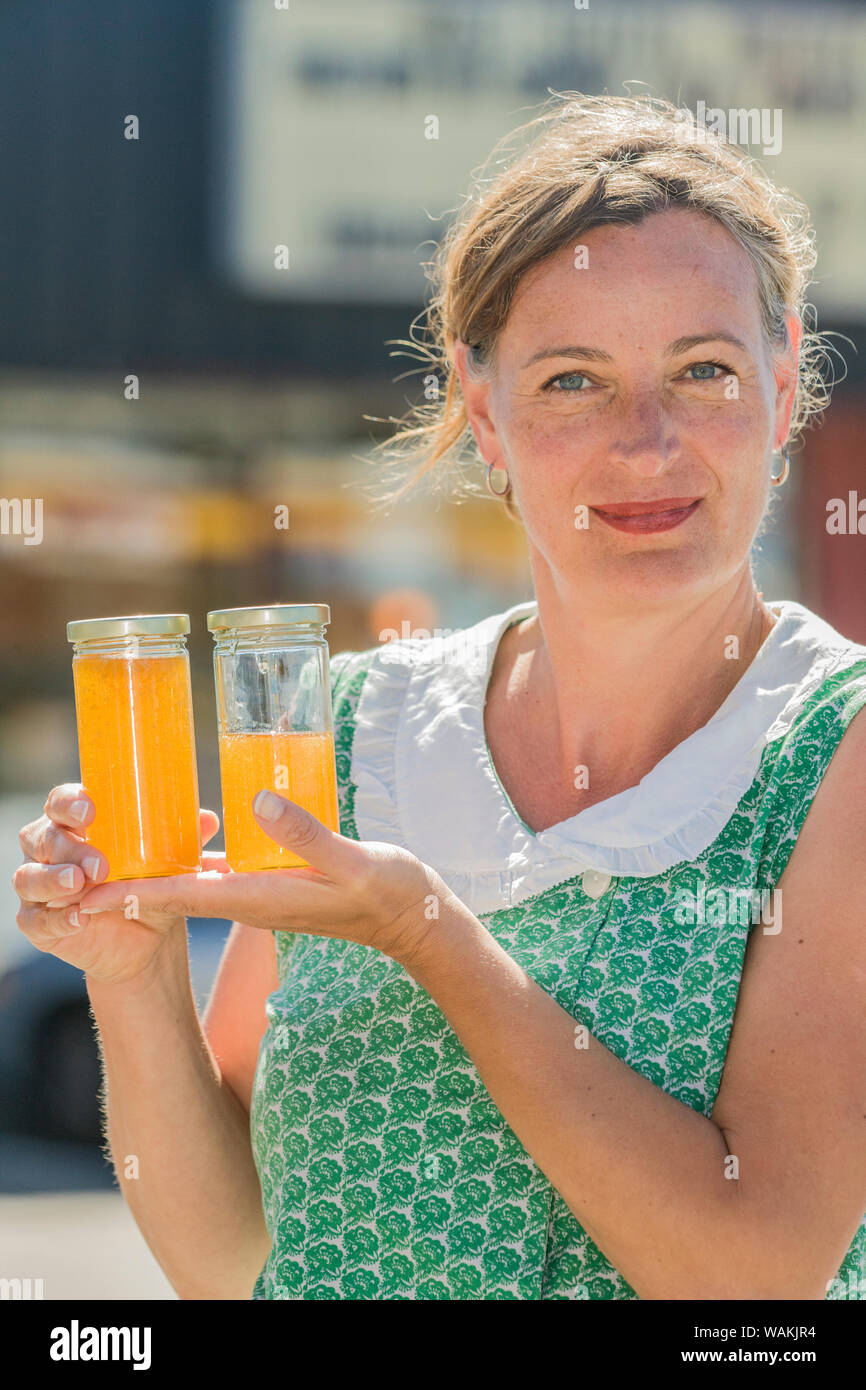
{"points": [[375, 893]]}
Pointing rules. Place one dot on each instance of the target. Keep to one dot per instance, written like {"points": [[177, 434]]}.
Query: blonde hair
{"points": [[590, 160]]}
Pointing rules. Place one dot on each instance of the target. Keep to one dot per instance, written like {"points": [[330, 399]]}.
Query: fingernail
{"points": [[73, 919], [66, 879], [78, 810], [91, 867], [269, 806]]}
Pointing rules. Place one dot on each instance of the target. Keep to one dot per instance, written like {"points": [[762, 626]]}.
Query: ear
{"points": [[477, 399], [785, 374]]}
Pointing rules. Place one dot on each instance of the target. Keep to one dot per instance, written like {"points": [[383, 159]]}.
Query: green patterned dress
{"points": [[387, 1171]]}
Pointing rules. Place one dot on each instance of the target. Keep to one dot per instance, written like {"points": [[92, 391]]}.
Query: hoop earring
{"points": [[786, 468], [490, 488]]}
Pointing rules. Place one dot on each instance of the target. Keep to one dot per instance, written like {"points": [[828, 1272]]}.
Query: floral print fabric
{"points": [[388, 1173]]}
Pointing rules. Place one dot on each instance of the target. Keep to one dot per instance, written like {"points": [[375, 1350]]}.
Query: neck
{"points": [[617, 689]]}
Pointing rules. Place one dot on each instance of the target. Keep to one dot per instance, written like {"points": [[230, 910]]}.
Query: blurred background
{"points": [[163, 386]]}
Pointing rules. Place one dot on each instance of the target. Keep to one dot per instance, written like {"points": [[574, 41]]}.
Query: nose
{"points": [[644, 440]]}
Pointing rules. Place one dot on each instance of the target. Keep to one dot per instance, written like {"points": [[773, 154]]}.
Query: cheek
{"points": [[731, 440], [550, 446], [738, 424]]}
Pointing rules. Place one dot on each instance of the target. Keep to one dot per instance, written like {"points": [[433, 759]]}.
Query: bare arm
{"points": [[643, 1172], [177, 1117], [234, 1020], [178, 1134]]}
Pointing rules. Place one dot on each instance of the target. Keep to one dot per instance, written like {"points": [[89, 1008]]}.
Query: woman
{"points": [[537, 1027]]}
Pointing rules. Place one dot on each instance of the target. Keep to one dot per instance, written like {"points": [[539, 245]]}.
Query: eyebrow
{"points": [[674, 349]]}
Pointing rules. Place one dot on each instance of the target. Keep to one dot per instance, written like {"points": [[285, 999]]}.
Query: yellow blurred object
{"points": [[224, 525]]}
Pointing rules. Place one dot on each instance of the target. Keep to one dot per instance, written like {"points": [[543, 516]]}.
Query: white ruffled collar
{"points": [[425, 779]]}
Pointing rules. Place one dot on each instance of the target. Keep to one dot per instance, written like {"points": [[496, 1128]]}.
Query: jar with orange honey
{"points": [[136, 742], [275, 722]]}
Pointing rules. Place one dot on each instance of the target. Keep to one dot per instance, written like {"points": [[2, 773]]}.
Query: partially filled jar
{"points": [[136, 742], [276, 728]]}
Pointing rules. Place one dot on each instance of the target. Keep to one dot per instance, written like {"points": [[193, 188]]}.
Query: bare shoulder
{"points": [[234, 1019], [791, 1102]]}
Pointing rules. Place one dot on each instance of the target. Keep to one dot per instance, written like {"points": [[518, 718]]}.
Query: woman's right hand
{"points": [[60, 865]]}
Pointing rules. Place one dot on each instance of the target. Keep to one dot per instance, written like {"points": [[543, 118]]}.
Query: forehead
{"points": [[659, 273]]}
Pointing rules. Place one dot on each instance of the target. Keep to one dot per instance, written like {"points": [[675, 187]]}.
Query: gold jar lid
{"points": [[273, 615], [136, 625]]}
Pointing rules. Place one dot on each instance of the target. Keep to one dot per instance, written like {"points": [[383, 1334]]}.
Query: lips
{"points": [[643, 517], [662, 504]]}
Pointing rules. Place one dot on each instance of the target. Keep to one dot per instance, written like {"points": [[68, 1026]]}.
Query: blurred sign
{"points": [[351, 130]]}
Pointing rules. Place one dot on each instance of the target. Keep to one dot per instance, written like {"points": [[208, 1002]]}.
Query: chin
{"points": [[649, 578]]}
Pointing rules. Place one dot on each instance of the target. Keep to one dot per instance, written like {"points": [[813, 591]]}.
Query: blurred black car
{"points": [[49, 1061]]}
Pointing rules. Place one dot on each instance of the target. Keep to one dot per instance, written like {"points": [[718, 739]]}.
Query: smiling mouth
{"points": [[661, 515]]}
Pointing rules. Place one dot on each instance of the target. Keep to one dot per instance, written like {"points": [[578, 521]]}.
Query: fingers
{"points": [[210, 824], [284, 894], [70, 806], [68, 811], [59, 862], [172, 895], [212, 859], [45, 928], [60, 865], [60, 884], [291, 826]]}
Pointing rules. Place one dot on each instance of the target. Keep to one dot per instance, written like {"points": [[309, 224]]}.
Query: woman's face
{"points": [[638, 373]]}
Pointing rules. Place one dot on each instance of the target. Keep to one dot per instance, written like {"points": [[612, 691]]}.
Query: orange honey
{"points": [[137, 753], [298, 765]]}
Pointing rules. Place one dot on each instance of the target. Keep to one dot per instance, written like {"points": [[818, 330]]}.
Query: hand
{"points": [[60, 865], [374, 893]]}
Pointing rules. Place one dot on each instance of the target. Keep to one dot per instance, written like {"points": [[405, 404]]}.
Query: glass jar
{"points": [[136, 743], [276, 729]]}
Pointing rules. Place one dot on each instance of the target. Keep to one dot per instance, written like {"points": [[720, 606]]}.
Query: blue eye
{"points": [[566, 377], [710, 367]]}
